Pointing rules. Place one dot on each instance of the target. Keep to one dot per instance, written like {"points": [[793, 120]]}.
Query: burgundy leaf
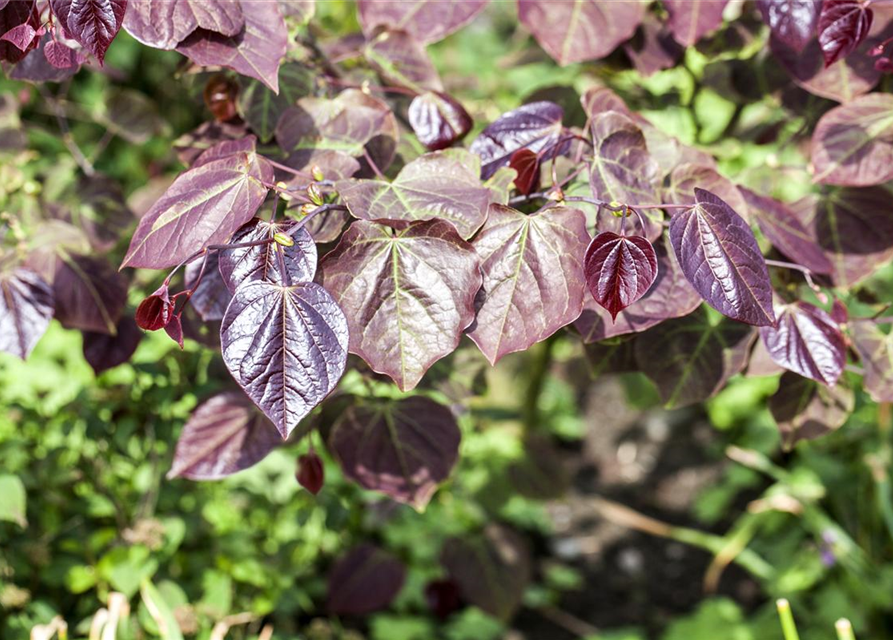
{"points": [[286, 346], [793, 22], [311, 473], [427, 20], [438, 120], [578, 30], [853, 144], [653, 48], [535, 126], [843, 25], [806, 340], [26, 308], [364, 580], [402, 61], [102, 351], [533, 277], [805, 409], [212, 296], [224, 435], [21, 36], [90, 294], [156, 310], [720, 257], [619, 270], [408, 293], [203, 206], [265, 262], [14, 14], [163, 24], [691, 20], [526, 164], [875, 349], [93, 23], [174, 330], [402, 448]]}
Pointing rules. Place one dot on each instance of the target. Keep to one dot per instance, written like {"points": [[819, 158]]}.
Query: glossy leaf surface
{"points": [[93, 23], [26, 308], [793, 22], [438, 120], [163, 24], [843, 25], [805, 409], [366, 579], [619, 270]]}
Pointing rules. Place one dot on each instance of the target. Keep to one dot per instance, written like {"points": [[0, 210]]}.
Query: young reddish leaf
{"points": [[224, 435], [93, 23], [806, 340], [21, 36], [203, 206], [265, 262], [720, 257], [793, 22], [408, 293], [691, 358], [843, 25], [156, 310], [438, 120], [691, 20], [402, 61], [212, 296], [255, 51], [286, 346], [438, 185], [619, 270], [174, 330], [535, 126], [364, 580], [26, 308], [102, 351], [578, 30], [90, 295], [402, 448], [786, 233], [852, 145], [875, 349], [805, 409], [527, 165], [311, 473], [533, 277], [163, 24], [12, 15], [427, 20]]}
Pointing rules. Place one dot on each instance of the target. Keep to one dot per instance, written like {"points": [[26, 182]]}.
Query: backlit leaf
{"points": [[691, 20], [793, 22], [875, 349], [438, 120], [805, 409], [163, 24], [26, 308], [93, 23], [364, 580], [843, 25], [427, 20], [89, 293], [212, 296], [103, 351], [619, 270]]}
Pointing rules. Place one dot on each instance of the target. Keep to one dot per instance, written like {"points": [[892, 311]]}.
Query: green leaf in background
{"points": [[12, 500], [160, 611]]}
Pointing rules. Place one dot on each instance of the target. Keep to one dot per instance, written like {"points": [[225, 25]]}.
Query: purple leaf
{"points": [[805, 409], [203, 206], [212, 296], [285, 346], [51, 62], [26, 308], [163, 24], [875, 349], [191, 145], [311, 473], [254, 52], [786, 233], [853, 144], [226, 149], [843, 25], [402, 448], [14, 14], [93, 23], [364, 580], [408, 293], [687, 177], [691, 358], [402, 61], [21, 36], [90, 294], [578, 30], [438, 120], [224, 435], [793, 22], [265, 262], [720, 257], [102, 351], [533, 277], [653, 48], [691, 20], [427, 20], [807, 341], [619, 270], [535, 126]]}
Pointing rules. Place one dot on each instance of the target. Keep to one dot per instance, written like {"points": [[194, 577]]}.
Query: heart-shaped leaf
{"points": [[619, 270], [720, 257], [438, 120], [286, 346], [691, 20], [843, 25], [402, 448], [163, 24], [427, 20], [875, 349], [805, 409], [93, 23], [364, 580], [793, 22], [26, 308]]}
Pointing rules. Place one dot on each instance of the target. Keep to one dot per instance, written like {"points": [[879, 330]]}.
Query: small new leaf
{"points": [[619, 270]]}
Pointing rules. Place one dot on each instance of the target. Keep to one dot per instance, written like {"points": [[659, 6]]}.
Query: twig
{"points": [[73, 148]]}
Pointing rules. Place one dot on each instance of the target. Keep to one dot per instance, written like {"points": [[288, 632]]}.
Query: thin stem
{"points": [[287, 169], [788, 626], [883, 320], [372, 164], [807, 274], [322, 209], [73, 148]]}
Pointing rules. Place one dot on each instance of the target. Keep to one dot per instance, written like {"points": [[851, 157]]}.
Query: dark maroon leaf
{"points": [[442, 597], [285, 346], [535, 126], [853, 144], [805, 409], [224, 435], [720, 257], [492, 569], [174, 330], [366, 579], [212, 296], [408, 293], [578, 30], [311, 473], [427, 20], [806, 340], [875, 349], [793, 22], [265, 262], [14, 14], [619, 270], [402, 448], [21, 36], [93, 23], [163, 24], [402, 61], [785, 231], [691, 20], [843, 25], [203, 206], [156, 310], [526, 164], [438, 120], [26, 308], [533, 277], [653, 48], [102, 351], [90, 294]]}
